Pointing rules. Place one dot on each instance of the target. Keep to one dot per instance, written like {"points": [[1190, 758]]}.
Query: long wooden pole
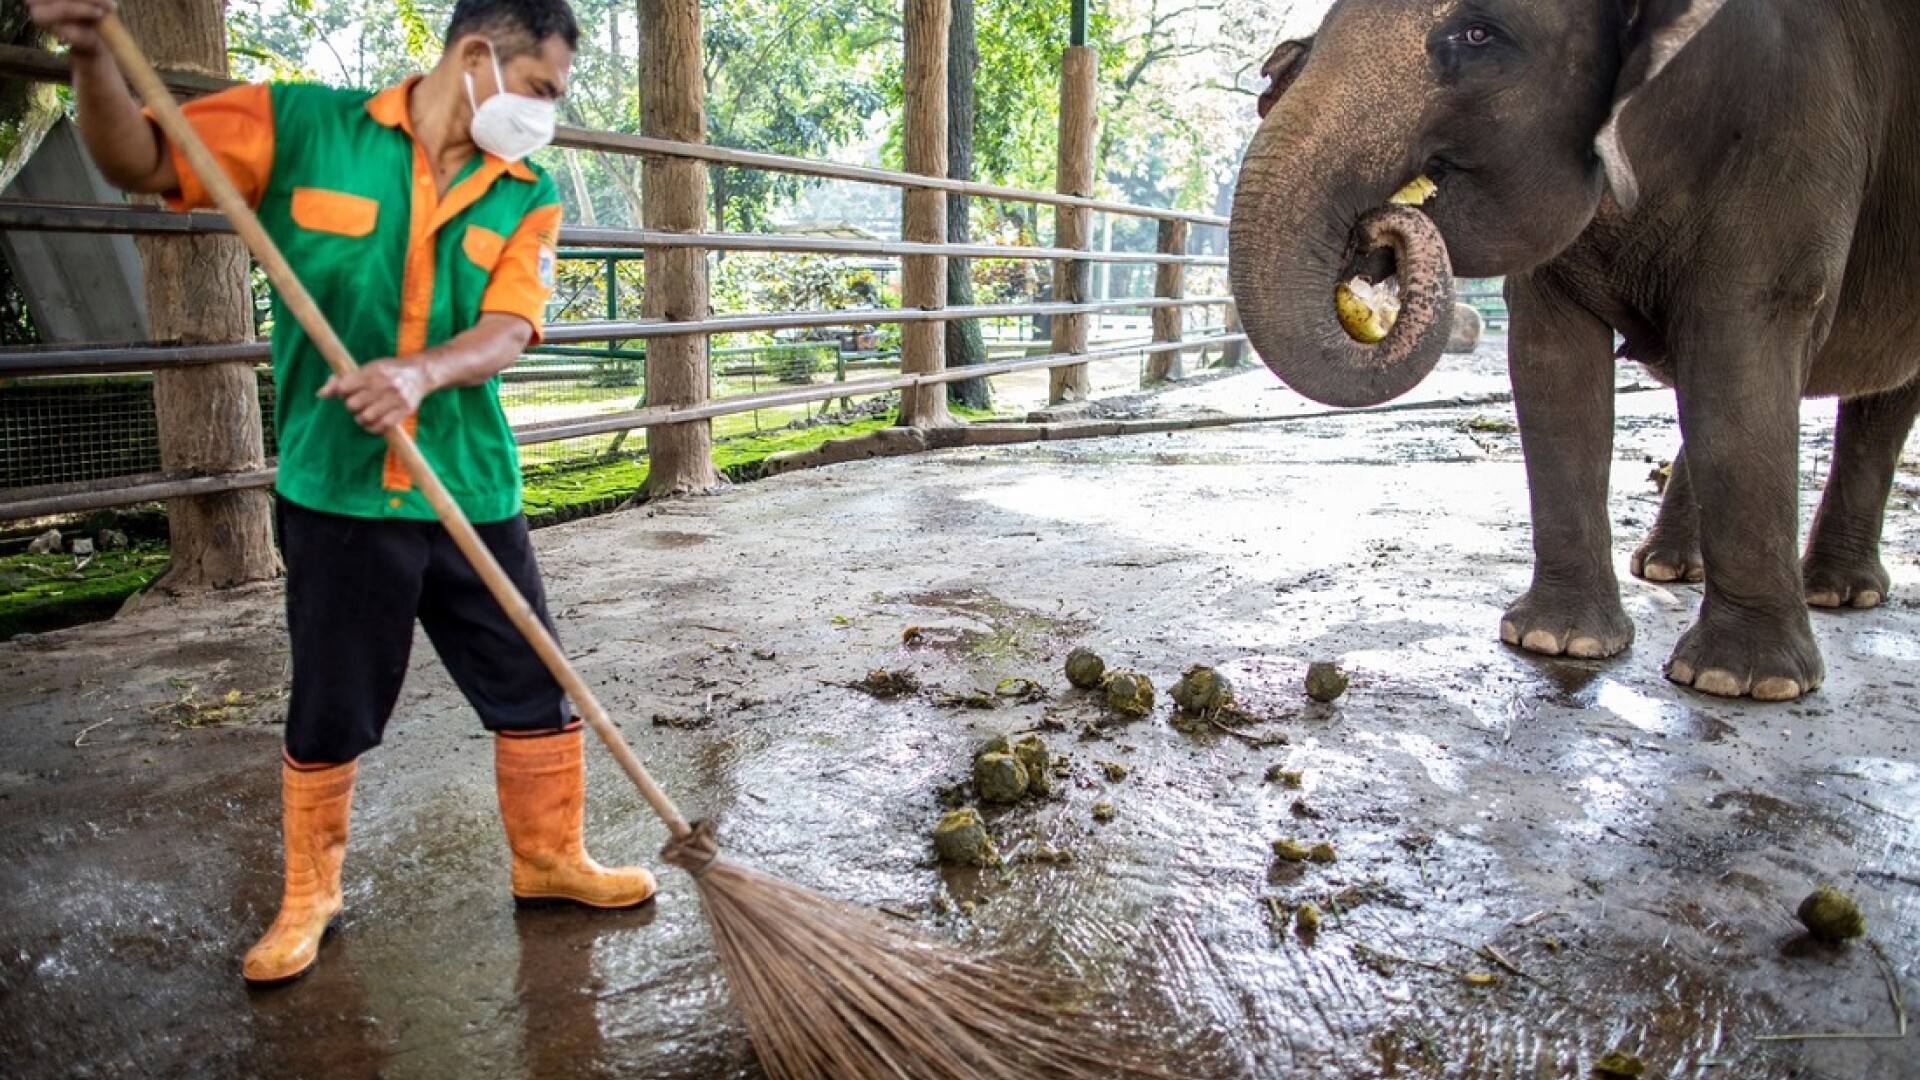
{"points": [[307, 313], [923, 213], [1169, 283], [673, 198], [1079, 92]]}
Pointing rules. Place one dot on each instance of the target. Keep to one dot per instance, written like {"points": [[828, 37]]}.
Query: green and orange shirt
{"points": [[342, 185]]}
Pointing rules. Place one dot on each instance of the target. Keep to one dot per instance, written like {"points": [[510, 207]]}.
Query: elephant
{"points": [[1728, 188]]}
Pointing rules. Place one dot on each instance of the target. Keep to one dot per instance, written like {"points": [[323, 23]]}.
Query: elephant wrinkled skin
{"points": [[1730, 187]]}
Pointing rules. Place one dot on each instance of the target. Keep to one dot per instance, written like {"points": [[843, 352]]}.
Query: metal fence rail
{"points": [[569, 338]]}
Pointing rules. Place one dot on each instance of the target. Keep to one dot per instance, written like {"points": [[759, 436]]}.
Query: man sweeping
{"points": [[428, 241]]}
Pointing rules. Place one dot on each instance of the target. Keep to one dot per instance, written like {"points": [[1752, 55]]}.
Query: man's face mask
{"points": [[509, 126]]}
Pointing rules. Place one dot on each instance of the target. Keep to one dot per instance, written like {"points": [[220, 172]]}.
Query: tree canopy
{"points": [[821, 78]]}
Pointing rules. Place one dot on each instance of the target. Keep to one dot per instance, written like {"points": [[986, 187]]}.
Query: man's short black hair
{"points": [[515, 27]]}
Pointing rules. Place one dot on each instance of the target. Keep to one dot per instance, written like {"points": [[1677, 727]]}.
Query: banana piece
{"points": [[1365, 314], [1418, 193]]}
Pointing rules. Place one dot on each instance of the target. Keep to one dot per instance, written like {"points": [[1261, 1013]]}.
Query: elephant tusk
{"points": [[1418, 193]]}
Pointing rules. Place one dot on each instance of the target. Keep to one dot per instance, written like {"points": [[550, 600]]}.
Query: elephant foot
{"points": [[1749, 655], [1844, 583], [1668, 561], [1587, 627]]}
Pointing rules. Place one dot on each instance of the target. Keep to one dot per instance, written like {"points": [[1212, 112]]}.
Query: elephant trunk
{"points": [[1294, 240]]}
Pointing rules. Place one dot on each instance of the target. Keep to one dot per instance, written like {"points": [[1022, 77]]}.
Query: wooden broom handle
{"points": [[300, 302]]}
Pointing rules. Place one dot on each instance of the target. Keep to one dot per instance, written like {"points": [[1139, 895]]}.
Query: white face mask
{"points": [[509, 126]]}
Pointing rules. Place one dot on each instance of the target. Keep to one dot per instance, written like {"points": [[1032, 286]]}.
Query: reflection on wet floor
{"points": [[1534, 860]]}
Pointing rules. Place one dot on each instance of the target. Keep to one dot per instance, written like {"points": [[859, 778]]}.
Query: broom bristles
{"points": [[830, 992]]}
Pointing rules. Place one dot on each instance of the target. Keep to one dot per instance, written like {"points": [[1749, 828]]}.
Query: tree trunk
{"points": [[1170, 283], [581, 193], [197, 292], [923, 213], [1234, 354], [1079, 123], [673, 106], [965, 347]]}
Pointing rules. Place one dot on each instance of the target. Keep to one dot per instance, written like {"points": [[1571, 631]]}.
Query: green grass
{"points": [[39, 593], [566, 491]]}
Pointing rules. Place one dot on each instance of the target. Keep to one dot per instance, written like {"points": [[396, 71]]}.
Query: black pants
{"points": [[355, 587]]}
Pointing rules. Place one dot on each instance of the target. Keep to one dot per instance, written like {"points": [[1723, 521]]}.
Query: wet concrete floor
{"points": [[1538, 861]]}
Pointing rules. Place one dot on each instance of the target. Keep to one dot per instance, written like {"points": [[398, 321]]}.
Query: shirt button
{"points": [[395, 503]]}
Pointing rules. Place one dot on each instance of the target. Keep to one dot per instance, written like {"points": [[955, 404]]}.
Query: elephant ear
{"points": [[1659, 30], [1282, 67]]}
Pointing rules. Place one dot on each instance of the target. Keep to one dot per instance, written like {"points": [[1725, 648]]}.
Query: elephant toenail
{"points": [[1541, 641], [1681, 672], [1661, 572], [1718, 683], [1509, 633], [1776, 689], [1588, 648], [1825, 598], [1696, 574], [1866, 598]]}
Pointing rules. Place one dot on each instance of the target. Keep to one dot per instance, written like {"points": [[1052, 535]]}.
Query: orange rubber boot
{"points": [[542, 797], [315, 803]]}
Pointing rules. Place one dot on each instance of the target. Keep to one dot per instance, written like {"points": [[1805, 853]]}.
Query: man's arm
{"points": [[385, 392], [123, 142]]}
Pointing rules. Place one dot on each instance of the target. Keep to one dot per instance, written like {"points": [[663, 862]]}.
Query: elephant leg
{"points": [[1672, 550], [1842, 565], [1561, 361], [1739, 387]]}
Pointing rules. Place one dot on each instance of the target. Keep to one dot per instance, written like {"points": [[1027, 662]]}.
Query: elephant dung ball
{"points": [[1129, 693], [1619, 1065], [1325, 681], [1103, 811], [961, 840], [1085, 668], [1306, 919], [1202, 690], [1287, 850], [1033, 756], [999, 778], [1832, 916]]}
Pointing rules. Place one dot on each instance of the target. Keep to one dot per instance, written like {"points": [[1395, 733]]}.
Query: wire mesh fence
{"points": [[75, 429]]}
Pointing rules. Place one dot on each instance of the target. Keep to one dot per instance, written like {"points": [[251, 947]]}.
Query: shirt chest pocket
{"points": [[337, 213], [483, 247]]}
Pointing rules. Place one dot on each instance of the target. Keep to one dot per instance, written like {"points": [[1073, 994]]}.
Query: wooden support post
{"points": [[197, 293], [923, 284], [1079, 94], [1233, 355], [1169, 283], [674, 199]]}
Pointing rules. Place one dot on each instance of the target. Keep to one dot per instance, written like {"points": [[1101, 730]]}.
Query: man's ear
{"points": [[1282, 67], [1658, 31]]}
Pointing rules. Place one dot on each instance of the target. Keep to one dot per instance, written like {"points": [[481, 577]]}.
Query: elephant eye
{"points": [[1476, 35]]}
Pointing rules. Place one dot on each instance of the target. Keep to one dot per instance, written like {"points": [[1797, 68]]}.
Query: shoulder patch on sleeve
{"points": [[546, 264]]}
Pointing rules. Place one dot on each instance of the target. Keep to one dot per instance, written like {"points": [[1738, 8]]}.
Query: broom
{"points": [[827, 990]]}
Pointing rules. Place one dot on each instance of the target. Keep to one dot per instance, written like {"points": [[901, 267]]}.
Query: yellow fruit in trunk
{"points": [[1362, 322]]}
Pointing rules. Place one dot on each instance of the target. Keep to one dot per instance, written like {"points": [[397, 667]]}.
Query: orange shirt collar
{"points": [[389, 107]]}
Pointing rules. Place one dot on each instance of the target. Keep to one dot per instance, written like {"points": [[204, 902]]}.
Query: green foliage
{"points": [[16, 322], [789, 77]]}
